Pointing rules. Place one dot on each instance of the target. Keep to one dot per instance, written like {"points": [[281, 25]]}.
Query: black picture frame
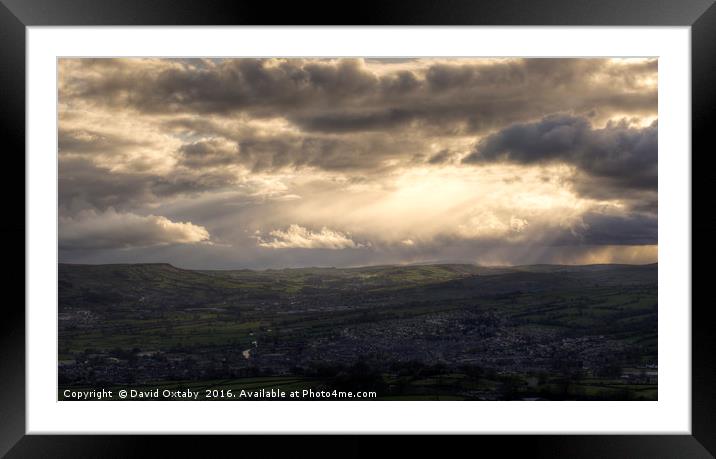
{"points": [[16, 15]]}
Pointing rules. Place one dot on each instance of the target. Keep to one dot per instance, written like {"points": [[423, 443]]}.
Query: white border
{"points": [[671, 414]]}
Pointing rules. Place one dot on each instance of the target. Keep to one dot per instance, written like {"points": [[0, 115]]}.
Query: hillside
{"points": [[156, 322]]}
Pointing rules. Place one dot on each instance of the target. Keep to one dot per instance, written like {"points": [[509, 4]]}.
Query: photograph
{"points": [[357, 228]]}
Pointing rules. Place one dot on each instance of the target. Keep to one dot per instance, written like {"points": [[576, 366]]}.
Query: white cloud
{"points": [[296, 236], [111, 230]]}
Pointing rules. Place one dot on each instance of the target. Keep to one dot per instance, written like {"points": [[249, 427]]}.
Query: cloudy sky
{"points": [[269, 163]]}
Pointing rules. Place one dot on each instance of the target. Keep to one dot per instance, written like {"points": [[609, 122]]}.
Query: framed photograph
{"points": [[443, 219]]}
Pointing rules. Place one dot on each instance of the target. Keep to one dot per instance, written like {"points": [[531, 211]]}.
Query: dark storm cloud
{"points": [[328, 153], [635, 229], [349, 117], [188, 160], [185, 182], [83, 185], [345, 96], [208, 153], [355, 121], [260, 154], [615, 157], [244, 146], [441, 157], [231, 84]]}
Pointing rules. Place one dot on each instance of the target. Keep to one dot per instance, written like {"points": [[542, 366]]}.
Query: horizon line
{"points": [[361, 266]]}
